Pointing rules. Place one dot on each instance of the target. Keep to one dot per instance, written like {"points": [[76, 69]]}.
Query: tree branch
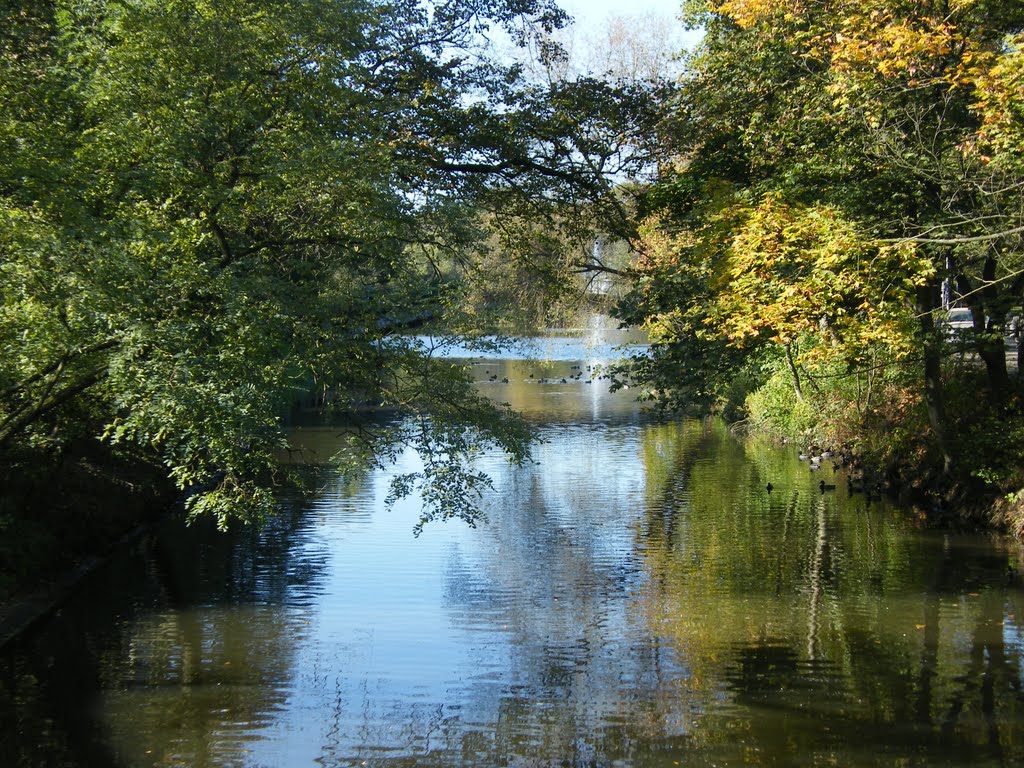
{"points": [[53, 367], [954, 240], [16, 423], [597, 266]]}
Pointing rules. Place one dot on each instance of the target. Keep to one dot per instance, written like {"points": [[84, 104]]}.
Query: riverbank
{"points": [[61, 517], [887, 435]]}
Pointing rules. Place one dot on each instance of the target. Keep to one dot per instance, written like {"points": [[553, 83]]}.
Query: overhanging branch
{"points": [[595, 265], [954, 240]]}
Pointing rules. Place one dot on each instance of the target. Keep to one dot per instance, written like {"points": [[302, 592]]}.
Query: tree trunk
{"points": [[992, 350], [797, 388], [989, 333], [989, 313], [933, 390]]}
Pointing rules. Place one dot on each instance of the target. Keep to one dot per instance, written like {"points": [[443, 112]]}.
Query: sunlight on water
{"points": [[600, 340], [636, 597]]}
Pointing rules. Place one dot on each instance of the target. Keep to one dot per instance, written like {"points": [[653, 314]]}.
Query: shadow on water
{"points": [[636, 597], [188, 625]]}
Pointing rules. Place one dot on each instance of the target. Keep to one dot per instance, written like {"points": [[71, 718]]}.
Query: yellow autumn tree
{"points": [[833, 171], [795, 272]]}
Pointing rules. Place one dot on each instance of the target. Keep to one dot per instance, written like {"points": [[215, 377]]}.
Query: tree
{"points": [[825, 173], [208, 208], [625, 48]]}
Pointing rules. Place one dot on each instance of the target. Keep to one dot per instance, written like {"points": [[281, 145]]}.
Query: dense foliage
{"points": [[209, 210], [830, 172]]}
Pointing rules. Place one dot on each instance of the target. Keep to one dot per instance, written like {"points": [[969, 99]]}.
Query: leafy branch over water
{"points": [[208, 210]]}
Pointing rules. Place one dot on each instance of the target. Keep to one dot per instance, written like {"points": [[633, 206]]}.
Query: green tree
{"points": [[209, 208]]}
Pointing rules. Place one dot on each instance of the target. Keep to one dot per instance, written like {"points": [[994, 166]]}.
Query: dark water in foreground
{"points": [[637, 598]]}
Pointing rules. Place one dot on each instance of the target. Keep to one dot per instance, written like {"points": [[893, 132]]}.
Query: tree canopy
{"points": [[209, 207], [827, 170]]}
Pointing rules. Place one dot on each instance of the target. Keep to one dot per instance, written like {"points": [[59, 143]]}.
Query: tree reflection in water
{"points": [[833, 633], [174, 654], [635, 598]]}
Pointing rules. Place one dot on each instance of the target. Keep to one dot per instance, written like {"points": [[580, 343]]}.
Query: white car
{"points": [[957, 321]]}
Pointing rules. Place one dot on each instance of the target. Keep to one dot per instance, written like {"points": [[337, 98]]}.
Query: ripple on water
{"points": [[636, 597]]}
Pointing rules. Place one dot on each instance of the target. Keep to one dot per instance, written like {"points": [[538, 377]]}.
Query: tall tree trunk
{"points": [[933, 391], [992, 350], [991, 345]]}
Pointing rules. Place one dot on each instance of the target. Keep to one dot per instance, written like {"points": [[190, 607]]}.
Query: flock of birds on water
{"points": [[591, 371], [857, 481]]}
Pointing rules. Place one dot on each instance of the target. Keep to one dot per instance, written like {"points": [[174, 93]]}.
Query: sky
{"points": [[650, 47], [593, 13], [599, 9]]}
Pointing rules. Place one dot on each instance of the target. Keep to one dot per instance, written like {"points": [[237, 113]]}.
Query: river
{"points": [[636, 597]]}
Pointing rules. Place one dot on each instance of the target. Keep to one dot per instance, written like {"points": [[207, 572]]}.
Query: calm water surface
{"points": [[636, 598]]}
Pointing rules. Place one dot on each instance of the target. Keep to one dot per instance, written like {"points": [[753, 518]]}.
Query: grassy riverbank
{"points": [[881, 425]]}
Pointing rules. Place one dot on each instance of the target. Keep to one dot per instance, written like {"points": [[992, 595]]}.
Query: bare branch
{"points": [[595, 265], [954, 240]]}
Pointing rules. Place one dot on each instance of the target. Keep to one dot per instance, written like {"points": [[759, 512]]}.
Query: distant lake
{"points": [[600, 340]]}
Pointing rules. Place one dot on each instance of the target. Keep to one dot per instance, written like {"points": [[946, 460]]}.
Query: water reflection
{"points": [[176, 653], [637, 597], [837, 633]]}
